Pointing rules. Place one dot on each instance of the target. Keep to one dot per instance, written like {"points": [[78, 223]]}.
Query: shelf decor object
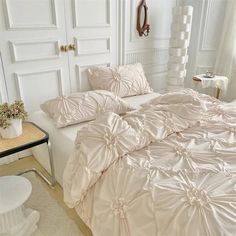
{"points": [[143, 28], [11, 116], [178, 48]]}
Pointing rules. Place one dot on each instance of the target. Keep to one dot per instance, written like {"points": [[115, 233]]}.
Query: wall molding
{"points": [[120, 31], [148, 57], [156, 69], [92, 52], [204, 23], [3, 86], [19, 77], [77, 21], [79, 69], [155, 63], [203, 69], [203, 47], [13, 49], [12, 26]]}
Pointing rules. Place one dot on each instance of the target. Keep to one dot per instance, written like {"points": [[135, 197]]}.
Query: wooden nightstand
{"points": [[32, 136]]}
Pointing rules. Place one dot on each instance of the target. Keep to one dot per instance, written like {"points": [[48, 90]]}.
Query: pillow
{"points": [[123, 81], [80, 107]]}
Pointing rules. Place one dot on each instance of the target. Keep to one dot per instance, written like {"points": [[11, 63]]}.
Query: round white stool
{"points": [[15, 220]]}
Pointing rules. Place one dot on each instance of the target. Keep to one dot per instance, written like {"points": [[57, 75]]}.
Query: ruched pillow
{"points": [[81, 107], [123, 81]]}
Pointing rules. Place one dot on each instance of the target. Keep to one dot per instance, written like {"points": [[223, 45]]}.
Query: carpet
{"points": [[54, 221]]}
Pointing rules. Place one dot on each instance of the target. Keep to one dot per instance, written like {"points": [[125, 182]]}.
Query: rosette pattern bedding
{"points": [[166, 169]]}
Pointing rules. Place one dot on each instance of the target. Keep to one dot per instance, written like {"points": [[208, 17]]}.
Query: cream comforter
{"points": [[167, 169]]}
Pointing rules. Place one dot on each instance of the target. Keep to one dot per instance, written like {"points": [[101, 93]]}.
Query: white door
{"points": [[91, 28], [31, 33]]}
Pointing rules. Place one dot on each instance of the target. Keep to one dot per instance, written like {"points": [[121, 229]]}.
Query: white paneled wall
{"points": [[151, 51], [104, 33], [32, 66], [208, 17], [3, 89]]}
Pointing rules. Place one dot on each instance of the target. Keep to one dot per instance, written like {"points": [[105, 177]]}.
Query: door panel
{"points": [[92, 29], [30, 50], [25, 14], [31, 86], [34, 68], [98, 9]]}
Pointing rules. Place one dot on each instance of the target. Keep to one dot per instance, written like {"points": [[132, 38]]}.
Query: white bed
{"points": [[166, 169], [63, 139]]}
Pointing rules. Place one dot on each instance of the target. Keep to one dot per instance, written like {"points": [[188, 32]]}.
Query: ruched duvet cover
{"points": [[167, 169]]}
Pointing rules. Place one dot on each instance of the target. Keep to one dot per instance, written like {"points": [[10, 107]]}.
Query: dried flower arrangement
{"points": [[15, 110]]}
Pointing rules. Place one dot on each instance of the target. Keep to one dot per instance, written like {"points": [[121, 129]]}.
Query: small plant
{"points": [[15, 110]]}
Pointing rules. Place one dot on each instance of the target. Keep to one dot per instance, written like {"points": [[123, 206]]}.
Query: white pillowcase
{"points": [[80, 107], [123, 81]]}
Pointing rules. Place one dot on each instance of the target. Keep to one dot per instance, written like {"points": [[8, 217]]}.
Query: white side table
{"points": [[218, 82], [15, 220]]}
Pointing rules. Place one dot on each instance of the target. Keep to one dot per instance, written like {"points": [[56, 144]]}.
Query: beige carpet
{"points": [[53, 219]]}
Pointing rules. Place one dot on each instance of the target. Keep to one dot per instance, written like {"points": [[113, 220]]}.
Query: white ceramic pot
{"points": [[13, 131]]}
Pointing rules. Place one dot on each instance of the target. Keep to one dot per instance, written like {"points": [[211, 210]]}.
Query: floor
{"points": [[56, 193]]}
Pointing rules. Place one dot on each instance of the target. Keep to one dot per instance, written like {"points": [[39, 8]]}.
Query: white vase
{"points": [[13, 131]]}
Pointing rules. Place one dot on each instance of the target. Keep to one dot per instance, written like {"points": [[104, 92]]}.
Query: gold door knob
{"points": [[64, 48], [72, 47]]}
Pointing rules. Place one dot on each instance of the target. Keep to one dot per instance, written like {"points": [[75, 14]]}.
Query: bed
{"points": [[166, 169], [63, 139]]}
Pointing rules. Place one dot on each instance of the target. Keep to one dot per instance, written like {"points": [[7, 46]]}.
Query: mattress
{"points": [[62, 139]]}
